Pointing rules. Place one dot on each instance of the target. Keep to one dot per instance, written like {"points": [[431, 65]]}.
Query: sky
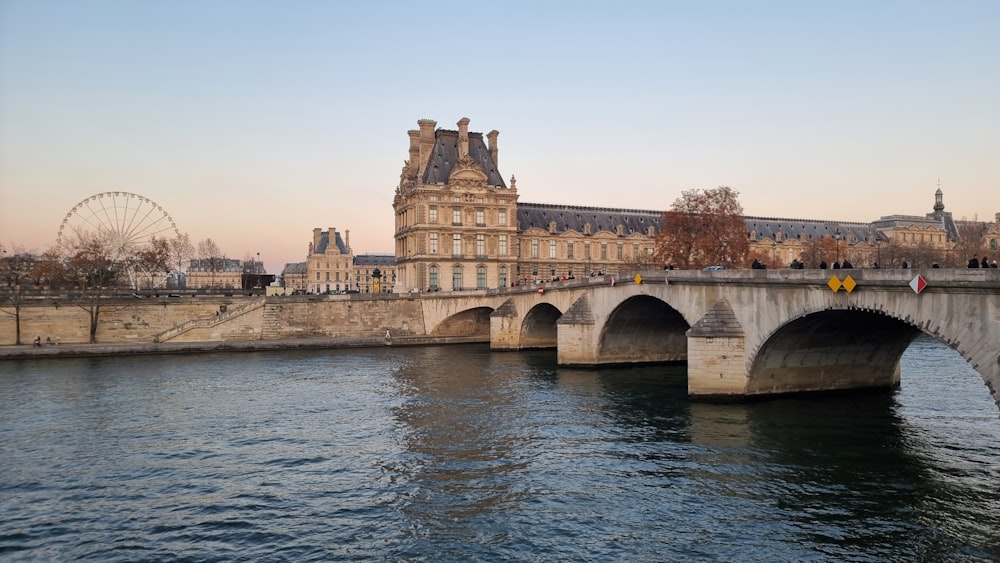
{"points": [[252, 122]]}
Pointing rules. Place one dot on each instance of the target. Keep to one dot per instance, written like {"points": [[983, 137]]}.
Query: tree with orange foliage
{"points": [[703, 228]]}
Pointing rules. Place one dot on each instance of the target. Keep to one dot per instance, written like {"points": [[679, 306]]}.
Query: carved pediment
{"points": [[467, 172]]}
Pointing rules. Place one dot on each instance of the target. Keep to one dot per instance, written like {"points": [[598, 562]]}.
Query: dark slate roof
{"points": [[572, 218], [221, 265], [446, 154], [324, 242], [768, 227], [951, 226], [375, 260], [295, 268]]}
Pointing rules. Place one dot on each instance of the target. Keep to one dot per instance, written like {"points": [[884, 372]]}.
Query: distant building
{"points": [[330, 265], [295, 276], [214, 273], [369, 267]]}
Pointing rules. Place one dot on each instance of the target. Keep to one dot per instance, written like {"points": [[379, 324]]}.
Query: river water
{"points": [[461, 454]]}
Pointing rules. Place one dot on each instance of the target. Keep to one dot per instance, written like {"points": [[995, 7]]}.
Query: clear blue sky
{"points": [[253, 122]]}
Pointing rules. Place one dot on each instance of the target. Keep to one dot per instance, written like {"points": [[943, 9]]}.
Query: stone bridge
{"points": [[743, 332]]}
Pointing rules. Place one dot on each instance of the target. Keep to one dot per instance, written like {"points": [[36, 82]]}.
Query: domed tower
{"points": [[938, 205]]}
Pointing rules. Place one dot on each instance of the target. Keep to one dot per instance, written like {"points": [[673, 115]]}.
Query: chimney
{"points": [[426, 143], [997, 217], [332, 244], [414, 148], [463, 137], [347, 240], [317, 232], [492, 137]]}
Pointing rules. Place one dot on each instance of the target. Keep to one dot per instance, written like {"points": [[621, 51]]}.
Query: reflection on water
{"points": [[458, 453]]}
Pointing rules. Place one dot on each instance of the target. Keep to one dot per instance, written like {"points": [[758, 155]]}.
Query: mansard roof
{"points": [[445, 155], [295, 268], [768, 227], [375, 260], [324, 243], [573, 218]]}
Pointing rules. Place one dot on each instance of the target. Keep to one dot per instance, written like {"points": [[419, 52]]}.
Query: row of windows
{"points": [[570, 250], [456, 277], [456, 244], [456, 216], [502, 247], [357, 275], [457, 199]]}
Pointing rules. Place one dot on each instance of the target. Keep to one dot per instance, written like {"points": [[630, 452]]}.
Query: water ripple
{"points": [[460, 454]]}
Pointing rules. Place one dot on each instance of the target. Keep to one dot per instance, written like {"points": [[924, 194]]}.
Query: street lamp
{"points": [[725, 241], [836, 235]]}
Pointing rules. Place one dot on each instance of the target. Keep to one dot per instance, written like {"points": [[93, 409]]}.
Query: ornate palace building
{"points": [[460, 226], [456, 218]]}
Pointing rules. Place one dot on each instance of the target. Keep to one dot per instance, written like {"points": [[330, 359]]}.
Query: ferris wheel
{"points": [[130, 220]]}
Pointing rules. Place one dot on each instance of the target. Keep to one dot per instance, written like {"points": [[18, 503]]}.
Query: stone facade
{"points": [[460, 226], [295, 277], [332, 267], [455, 224], [330, 264], [455, 227], [214, 273]]}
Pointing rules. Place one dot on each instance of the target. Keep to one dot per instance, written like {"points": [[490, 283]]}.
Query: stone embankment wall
{"points": [[243, 318], [319, 317]]}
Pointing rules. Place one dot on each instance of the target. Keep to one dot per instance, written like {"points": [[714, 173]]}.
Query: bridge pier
{"points": [[717, 359], [505, 327], [578, 336]]}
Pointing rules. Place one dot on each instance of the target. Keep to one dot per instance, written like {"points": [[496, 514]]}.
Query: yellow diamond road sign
{"points": [[849, 284], [834, 283], [638, 279]]}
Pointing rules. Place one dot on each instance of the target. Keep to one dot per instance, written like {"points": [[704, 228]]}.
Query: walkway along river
{"points": [[457, 453]]}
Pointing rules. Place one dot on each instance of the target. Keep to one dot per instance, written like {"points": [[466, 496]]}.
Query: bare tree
{"points": [[817, 250], [181, 250], [16, 269], [211, 257], [702, 228], [89, 266], [153, 258], [970, 240]]}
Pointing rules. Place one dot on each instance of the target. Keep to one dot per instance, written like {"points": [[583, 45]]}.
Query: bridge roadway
{"points": [[743, 333]]}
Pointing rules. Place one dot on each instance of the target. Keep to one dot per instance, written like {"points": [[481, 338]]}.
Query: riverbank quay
{"points": [[153, 348]]}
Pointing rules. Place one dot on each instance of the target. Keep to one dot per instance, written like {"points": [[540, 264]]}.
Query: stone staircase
{"points": [[271, 327], [216, 320]]}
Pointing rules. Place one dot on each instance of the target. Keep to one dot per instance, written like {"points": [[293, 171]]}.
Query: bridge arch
{"points": [[831, 349], [539, 330], [643, 328], [470, 322]]}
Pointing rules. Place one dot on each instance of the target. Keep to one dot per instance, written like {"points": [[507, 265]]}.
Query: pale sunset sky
{"points": [[251, 122]]}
